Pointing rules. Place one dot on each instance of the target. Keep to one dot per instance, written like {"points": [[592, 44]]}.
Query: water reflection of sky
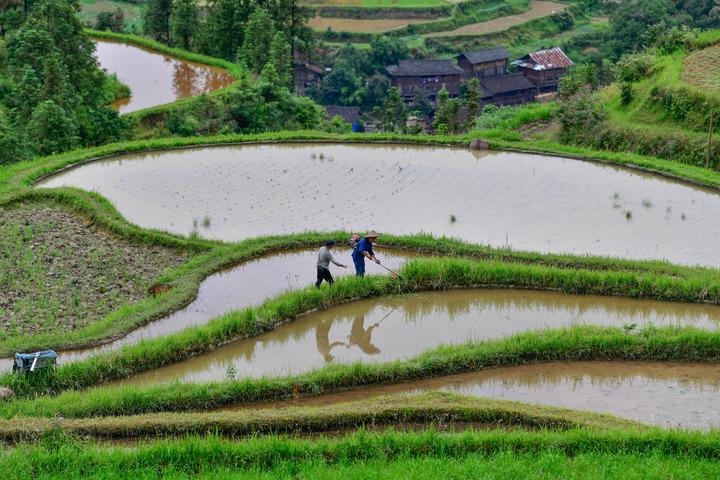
{"points": [[529, 202]]}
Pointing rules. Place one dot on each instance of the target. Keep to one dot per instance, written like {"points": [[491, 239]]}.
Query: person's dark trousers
{"points": [[323, 274], [359, 266]]}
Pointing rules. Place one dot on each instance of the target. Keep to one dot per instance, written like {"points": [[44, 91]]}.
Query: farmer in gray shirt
{"points": [[323, 264]]}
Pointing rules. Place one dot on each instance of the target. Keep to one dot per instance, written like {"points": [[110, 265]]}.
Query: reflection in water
{"points": [[666, 394], [529, 202], [238, 287], [155, 78], [399, 327]]}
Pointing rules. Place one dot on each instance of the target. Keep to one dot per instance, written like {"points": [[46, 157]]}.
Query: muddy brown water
{"points": [[155, 78], [524, 201], [666, 394], [385, 329], [235, 288]]}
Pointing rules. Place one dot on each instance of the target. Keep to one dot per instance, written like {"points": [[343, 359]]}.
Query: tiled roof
{"points": [[421, 68], [545, 60], [309, 66], [487, 55], [505, 84], [349, 114]]}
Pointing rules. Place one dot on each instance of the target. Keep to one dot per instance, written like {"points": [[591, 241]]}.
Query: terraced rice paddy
{"points": [[522, 201], [701, 69], [538, 9], [404, 326], [154, 78], [665, 394], [235, 288]]}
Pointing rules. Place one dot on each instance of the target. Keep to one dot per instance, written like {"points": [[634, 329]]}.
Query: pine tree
{"points": [[258, 37], [280, 58], [184, 22], [472, 100], [393, 113], [446, 114], [156, 19]]}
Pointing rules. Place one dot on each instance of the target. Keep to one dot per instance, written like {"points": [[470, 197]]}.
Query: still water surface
{"points": [[154, 78], [527, 202], [386, 329], [666, 394]]}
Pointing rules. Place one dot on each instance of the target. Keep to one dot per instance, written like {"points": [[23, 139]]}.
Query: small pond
{"points": [[523, 201], [154, 78]]}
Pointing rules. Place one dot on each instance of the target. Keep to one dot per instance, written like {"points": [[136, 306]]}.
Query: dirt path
{"points": [[538, 9], [359, 25]]}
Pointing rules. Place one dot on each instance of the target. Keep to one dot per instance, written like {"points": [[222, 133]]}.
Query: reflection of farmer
{"points": [[322, 338], [364, 249], [363, 337]]}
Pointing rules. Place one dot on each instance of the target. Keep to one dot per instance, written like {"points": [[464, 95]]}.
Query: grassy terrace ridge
{"points": [[499, 454], [576, 343], [210, 256], [440, 409]]}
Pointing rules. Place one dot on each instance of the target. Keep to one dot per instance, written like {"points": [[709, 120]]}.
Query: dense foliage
{"points": [[53, 96]]}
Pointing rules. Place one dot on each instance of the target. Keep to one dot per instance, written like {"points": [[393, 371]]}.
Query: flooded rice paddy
{"points": [[666, 394], [154, 78], [238, 287], [378, 330], [524, 201]]}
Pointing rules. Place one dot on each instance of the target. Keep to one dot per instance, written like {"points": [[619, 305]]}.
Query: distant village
{"points": [[535, 78]]}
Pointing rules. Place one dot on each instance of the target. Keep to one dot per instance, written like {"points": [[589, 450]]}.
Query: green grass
{"points": [[89, 10], [572, 454], [577, 343], [410, 4], [58, 274], [439, 409]]}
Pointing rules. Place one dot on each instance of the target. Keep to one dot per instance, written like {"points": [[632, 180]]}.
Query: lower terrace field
{"points": [[59, 273]]}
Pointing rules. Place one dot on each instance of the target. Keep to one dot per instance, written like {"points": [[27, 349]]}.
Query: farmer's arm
{"points": [[332, 259], [370, 254]]}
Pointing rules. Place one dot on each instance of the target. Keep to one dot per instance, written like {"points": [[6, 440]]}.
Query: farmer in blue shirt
{"points": [[364, 249]]}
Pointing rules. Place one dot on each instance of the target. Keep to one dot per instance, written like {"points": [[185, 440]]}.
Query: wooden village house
{"points": [[412, 77], [306, 76], [512, 89], [489, 62], [544, 68]]}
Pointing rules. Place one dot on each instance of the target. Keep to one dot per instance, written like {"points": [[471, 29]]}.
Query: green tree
{"points": [[393, 113], [473, 99], [156, 19], [446, 114], [292, 19], [184, 22], [341, 87], [114, 21], [221, 31], [258, 37], [630, 22], [280, 58], [50, 129], [384, 51]]}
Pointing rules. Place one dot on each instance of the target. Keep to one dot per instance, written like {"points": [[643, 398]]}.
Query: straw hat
{"points": [[371, 234]]}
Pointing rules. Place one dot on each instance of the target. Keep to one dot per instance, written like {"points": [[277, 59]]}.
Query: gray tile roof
{"points": [[421, 68], [505, 84]]}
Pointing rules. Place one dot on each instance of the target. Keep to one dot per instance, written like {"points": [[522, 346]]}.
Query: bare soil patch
{"points": [[59, 273], [538, 9]]}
